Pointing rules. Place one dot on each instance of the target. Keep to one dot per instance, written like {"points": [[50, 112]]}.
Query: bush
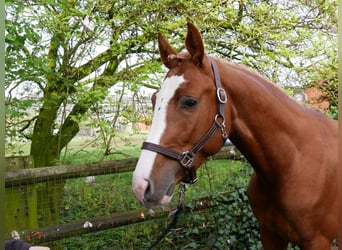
{"points": [[229, 225], [238, 228]]}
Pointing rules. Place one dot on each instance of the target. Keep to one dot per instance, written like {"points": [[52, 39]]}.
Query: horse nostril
{"points": [[148, 191], [148, 188]]}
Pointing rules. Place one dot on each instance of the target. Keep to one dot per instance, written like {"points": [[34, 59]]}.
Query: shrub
{"points": [[229, 225]]}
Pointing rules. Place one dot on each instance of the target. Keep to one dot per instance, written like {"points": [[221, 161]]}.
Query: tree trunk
{"points": [[45, 151]]}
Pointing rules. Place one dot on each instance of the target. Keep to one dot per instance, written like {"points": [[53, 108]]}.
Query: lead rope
{"points": [[174, 214]]}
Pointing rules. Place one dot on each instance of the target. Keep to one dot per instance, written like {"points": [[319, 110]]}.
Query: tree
{"points": [[64, 56], [290, 42], [76, 51], [69, 72]]}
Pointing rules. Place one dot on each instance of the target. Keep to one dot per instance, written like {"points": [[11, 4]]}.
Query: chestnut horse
{"points": [[292, 149]]}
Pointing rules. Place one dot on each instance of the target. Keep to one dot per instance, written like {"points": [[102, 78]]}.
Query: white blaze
{"points": [[144, 166]]}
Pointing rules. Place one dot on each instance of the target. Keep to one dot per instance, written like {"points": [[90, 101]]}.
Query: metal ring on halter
{"points": [[221, 125], [188, 159]]}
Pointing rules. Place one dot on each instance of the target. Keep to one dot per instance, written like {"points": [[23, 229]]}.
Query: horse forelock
{"points": [[174, 60]]}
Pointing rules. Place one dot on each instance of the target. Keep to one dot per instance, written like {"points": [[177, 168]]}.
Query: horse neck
{"points": [[263, 119]]}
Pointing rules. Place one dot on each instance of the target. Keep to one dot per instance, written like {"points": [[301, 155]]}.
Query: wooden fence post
{"points": [[20, 201]]}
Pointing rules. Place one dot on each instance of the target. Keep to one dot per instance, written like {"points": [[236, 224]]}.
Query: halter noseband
{"points": [[187, 158]]}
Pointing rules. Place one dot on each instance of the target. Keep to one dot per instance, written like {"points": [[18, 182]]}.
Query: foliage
{"points": [[99, 197], [63, 58], [70, 64], [229, 225], [237, 221]]}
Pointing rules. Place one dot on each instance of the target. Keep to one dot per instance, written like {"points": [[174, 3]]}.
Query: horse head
{"points": [[188, 121]]}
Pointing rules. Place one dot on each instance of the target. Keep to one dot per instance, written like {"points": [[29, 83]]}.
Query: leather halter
{"points": [[186, 158]]}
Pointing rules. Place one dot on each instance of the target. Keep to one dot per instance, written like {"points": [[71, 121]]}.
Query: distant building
{"points": [[316, 99]]}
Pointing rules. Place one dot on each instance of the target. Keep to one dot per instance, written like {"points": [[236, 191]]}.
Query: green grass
{"points": [[80, 146], [216, 176], [96, 155]]}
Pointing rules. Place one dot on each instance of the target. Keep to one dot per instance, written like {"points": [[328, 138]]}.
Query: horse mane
{"points": [[245, 69], [184, 56], [260, 80]]}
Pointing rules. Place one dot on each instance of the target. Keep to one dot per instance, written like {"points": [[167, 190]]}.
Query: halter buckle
{"points": [[187, 159], [221, 95]]}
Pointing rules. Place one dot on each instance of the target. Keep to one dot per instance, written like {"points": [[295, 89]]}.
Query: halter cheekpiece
{"points": [[186, 158]]}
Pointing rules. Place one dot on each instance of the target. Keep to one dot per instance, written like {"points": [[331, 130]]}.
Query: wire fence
{"points": [[91, 206]]}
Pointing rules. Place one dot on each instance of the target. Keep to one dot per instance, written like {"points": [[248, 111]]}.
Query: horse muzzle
{"points": [[151, 190], [151, 196]]}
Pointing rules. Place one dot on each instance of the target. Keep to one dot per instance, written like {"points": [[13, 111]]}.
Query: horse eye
{"points": [[189, 103]]}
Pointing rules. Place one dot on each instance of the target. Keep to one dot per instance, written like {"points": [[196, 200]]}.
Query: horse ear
{"points": [[194, 44], [165, 51]]}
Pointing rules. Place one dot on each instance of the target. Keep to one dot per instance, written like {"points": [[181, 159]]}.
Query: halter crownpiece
{"points": [[187, 158]]}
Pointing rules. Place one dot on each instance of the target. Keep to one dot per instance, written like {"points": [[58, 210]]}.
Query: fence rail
{"points": [[27, 176], [44, 174], [78, 228]]}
